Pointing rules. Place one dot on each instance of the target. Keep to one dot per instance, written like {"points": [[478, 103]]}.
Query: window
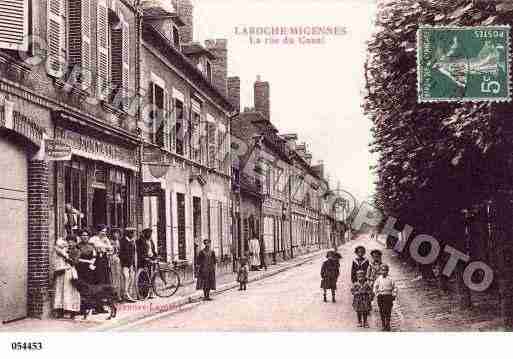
{"points": [[119, 206], [196, 131], [113, 56], [212, 141], [179, 126], [209, 71], [14, 29], [158, 114], [69, 38], [176, 37], [75, 187]]}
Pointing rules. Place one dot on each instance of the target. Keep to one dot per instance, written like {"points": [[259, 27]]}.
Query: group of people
{"points": [[370, 280], [106, 258]]}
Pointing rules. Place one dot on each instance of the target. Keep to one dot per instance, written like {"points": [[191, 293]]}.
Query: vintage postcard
{"points": [[255, 166]]}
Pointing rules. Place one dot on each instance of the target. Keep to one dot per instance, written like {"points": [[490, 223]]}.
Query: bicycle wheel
{"points": [[165, 282], [143, 284]]}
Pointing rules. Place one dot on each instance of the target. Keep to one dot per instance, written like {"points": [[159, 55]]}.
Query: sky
{"points": [[315, 89]]}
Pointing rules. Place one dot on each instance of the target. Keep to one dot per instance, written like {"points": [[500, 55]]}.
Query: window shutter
{"points": [[186, 130], [102, 29], [56, 31], [126, 61], [172, 123], [14, 24], [203, 141], [86, 43], [167, 120]]}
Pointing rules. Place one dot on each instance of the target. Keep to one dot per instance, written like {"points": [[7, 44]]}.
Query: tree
{"points": [[435, 159]]}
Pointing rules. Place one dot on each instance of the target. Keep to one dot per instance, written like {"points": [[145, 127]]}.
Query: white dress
{"points": [[254, 248], [67, 296]]}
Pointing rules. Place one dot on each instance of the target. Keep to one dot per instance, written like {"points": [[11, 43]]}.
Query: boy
{"points": [[386, 292]]}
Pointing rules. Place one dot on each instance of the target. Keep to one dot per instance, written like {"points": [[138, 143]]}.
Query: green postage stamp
{"points": [[462, 64]]}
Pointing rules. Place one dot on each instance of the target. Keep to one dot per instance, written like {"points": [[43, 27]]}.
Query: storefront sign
{"points": [[57, 150], [19, 123], [97, 149]]}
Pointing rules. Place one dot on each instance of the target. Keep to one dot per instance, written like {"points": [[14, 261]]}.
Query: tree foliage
{"points": [[434, 158]]}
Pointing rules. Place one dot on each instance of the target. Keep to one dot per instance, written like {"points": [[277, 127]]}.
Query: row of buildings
{"points": [[110, 106]]}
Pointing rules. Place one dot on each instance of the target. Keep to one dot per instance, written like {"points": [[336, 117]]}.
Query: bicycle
{"points": [[160, 278]]}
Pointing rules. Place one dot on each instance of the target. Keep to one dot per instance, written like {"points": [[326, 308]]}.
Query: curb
{"points": [[195, 297]]}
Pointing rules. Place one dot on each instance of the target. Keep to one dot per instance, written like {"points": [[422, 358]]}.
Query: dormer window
{"points": [[176, 37]]}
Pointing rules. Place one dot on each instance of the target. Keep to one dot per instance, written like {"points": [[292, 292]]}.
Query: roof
{"points": [[158, 13], [197, 49], [153, 36]]}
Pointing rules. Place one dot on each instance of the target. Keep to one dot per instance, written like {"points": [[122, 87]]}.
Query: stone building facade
{"points": [[186, 129], [73, 96]]}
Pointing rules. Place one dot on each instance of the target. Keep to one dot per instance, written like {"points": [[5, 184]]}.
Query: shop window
{"points": [[75, 188], [120, 204]]}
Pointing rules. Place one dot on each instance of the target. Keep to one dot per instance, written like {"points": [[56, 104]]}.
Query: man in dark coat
{"points": [[206, 270], [145, 249]]}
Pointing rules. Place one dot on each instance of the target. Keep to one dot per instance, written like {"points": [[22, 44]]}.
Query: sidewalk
{"points": [[130, 312]]}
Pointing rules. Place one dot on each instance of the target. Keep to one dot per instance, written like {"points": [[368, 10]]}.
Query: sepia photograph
{"points": [[336, 168]]}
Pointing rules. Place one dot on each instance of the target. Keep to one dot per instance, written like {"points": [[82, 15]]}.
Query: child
{"points": [[242, 276], [386, 292], [359, 263], [329, 274], [374, 269], [362, 298]]}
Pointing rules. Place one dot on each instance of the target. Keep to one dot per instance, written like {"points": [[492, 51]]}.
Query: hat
{"points": [[358, 248], [205, 241], [130, 229], [376, 252], [147, 230]]}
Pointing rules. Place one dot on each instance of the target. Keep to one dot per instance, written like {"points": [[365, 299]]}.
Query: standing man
{"points": [[206, 270], [127, 250], [263, 264], [386, 292], [145, 249]]}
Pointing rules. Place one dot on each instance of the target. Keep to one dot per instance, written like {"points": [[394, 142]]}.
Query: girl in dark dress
{"points": [[206, 270], [86, 259], [330, 271]]}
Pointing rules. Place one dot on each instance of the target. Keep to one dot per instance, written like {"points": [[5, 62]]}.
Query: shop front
{"points": [[99, 181]]}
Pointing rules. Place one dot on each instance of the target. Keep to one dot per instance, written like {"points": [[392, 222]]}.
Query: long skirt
{"points": [[67, 296], [115, 271], [102, 272], [207, 280]]}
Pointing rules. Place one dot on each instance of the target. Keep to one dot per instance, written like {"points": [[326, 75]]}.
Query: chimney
{"points": [[185, 11], [262, 98], [233, 85], [219, 48]]}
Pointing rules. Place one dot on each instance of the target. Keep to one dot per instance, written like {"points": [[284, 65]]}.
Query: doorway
{"points": [[99, 207]]}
